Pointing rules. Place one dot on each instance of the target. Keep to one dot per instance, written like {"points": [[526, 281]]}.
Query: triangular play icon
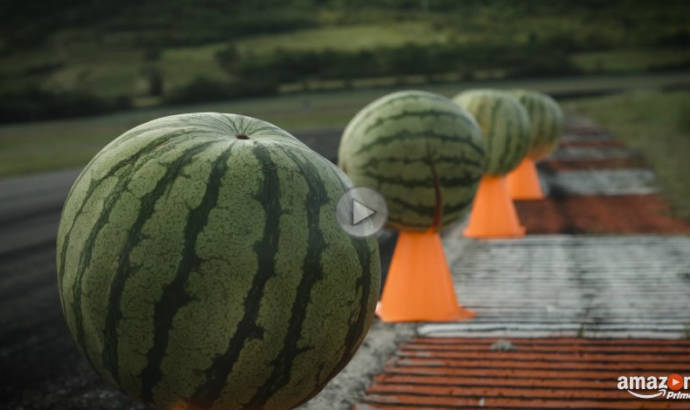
{"points": [[675, 381], [360, 212]]}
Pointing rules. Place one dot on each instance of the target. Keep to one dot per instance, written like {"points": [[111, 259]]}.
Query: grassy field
{"points": [[52, 145], [181, 65], [629, 60], [109, 73], [351, 38], [658, 126], [107, 50], [85, 64]]}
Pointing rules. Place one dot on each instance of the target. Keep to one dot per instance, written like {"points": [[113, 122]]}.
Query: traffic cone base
{"points": [[493, 213], [419, 286], [523, 182]]}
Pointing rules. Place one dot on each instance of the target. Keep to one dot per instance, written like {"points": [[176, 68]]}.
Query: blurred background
{"points": [[311, 64]]}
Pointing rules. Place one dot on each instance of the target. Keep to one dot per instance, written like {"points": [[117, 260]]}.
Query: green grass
{"points": [[629, 60], [106, 74], [110, 73], [658, 126], [180, 66], [51, 145], [350, 38], [109, 61]]}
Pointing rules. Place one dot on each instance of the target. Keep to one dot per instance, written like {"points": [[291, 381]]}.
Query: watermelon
{"points": [[421, 151], [546, 121], [504, 124], [201, 266]]}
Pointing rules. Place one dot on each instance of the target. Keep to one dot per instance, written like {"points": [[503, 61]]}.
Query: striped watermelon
{"points": [[200, 265], [421, 151], [505, 125], [546, 121]]}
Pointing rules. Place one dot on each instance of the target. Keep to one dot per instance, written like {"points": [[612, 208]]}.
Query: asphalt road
{"points": [[40, 367]]}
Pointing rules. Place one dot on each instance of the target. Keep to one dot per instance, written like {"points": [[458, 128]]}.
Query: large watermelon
{"points": [[505, 125], [200, 265], [546, 121], [421, 151]]}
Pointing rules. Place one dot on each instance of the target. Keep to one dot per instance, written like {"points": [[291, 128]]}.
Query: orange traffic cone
{"points": [[419, 286], [493, 213], [523, 182]]}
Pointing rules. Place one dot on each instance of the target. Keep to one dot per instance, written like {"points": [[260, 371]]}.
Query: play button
{"points": [[675, 381], [361, 211]]}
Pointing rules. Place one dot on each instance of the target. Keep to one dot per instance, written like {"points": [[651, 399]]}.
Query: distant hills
{"points": [[61, 58]]}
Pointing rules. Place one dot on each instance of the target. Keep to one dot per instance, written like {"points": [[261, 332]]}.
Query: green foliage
{"points": [[37, 104], [203, 89], [152, 54], [683, 117], [409, 59], [106, 48], [154, 79], [622, 61], [149, 24]]}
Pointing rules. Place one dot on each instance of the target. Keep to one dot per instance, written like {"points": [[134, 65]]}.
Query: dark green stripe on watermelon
{"points": [[380, 121], [514, 138], [418, 208], [448, 159], [174, 294], [367, 285], [282, 364], [148, 203], [459, 180], [407, 135], [268, 195], [397, 98], [85, 258], [488, 142], [126, 162]]}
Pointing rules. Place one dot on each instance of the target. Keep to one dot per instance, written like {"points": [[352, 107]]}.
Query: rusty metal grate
{"points": [[539, 373]]}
